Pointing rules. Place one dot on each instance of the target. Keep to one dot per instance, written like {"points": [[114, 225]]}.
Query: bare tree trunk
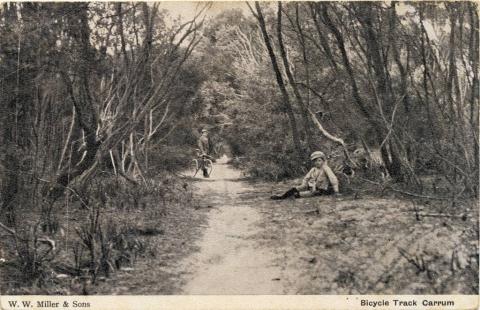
{"points": [[280, 82], [425, 81], [391, 155], [451, 75], [474, 97], [348, 67], [10, 184], [291, 79], [367, 113], [323, 40], [118, 8], [403, 75], [15, 97], [68, 139], [86, 115]]}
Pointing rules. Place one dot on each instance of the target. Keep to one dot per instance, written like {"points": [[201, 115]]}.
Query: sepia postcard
{"points": [[239, 155]]}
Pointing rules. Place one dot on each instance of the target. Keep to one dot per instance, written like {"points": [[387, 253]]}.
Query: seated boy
{"points": [[320, 180]]}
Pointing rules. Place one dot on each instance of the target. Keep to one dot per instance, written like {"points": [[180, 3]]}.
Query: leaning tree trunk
{"points": [[291, 79], [83, 102], [392, 156], [474, 105], [280, 82], [348, 67]]}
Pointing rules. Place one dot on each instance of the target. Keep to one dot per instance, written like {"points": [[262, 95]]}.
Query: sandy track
{"points": [[230, 261]]}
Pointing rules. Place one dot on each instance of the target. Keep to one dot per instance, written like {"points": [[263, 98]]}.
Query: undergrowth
{"points": [[102, 228]]}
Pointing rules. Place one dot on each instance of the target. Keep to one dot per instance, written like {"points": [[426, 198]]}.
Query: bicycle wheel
{"points": [[194, 167], [208, 165]]}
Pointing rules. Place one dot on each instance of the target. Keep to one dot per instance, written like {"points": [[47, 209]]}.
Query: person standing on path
{"points": [[320, 180], [204, 147]]}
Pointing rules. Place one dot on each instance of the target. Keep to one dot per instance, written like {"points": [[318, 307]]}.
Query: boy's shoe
{"points": [[276, 197], [291, 192]]}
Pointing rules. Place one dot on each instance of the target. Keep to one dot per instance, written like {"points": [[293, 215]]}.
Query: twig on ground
{"points": [[204, 207], [389, 187], [444, 215], [419, 263], [309, 212], [418, 214]]}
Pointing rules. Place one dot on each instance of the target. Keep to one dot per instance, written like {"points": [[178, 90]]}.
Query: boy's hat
{"points": [[204, 130], [317, 154]]}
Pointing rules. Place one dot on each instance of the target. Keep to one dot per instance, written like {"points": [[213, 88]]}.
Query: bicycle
{"points": [[200, 162]]}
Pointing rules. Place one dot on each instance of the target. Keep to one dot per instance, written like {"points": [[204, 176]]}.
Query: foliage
{"points": [[387, 78], [92, 95], [102, 103]]}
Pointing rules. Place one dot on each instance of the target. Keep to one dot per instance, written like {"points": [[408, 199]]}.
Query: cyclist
{"points": [[320, 180], [204, 147]]}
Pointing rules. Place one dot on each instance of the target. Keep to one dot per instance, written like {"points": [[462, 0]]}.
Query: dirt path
{"points": [[230, 260], [323, 245]]}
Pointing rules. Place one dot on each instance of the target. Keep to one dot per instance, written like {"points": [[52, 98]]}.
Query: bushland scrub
{"points": [[102, 104], [371, 86], [96, 122], [120, 224]]}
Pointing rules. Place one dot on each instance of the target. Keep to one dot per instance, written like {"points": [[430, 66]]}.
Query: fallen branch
{"points": [[416, 195], [419, 263], [46, 240], [389, 187], [442, 215]]}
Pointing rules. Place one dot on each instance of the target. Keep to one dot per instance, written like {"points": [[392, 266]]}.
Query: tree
{"points": [[81, 93], [280, 81]]}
